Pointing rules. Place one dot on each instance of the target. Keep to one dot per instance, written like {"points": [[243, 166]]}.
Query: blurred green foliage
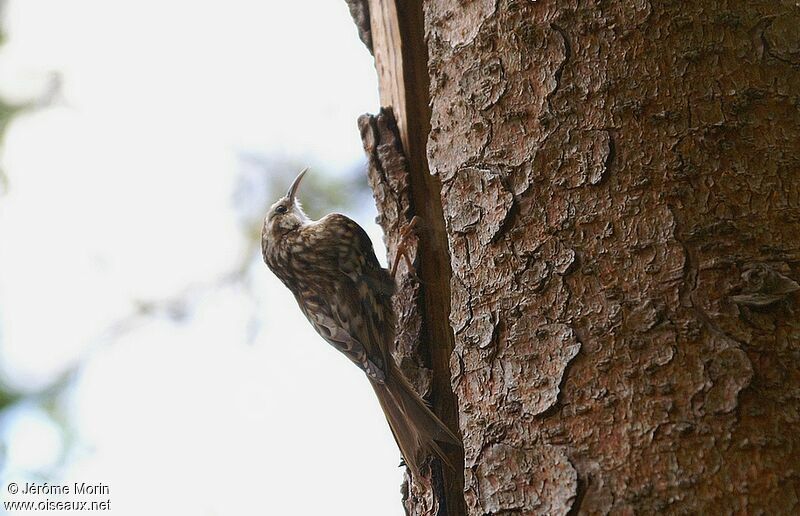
{"points": [[46, 398], [7, 111], [7, 397]]}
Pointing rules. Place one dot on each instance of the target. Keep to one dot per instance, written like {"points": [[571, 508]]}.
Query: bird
{"points": [[331, 268]]}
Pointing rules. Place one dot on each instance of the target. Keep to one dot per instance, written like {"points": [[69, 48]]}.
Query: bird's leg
{"points": [[402, 249]]}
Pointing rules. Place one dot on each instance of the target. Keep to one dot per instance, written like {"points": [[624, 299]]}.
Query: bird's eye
{"points": [[281, 209]]}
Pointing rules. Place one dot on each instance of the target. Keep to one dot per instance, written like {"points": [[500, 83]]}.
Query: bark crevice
{"points": [[395, 141]]}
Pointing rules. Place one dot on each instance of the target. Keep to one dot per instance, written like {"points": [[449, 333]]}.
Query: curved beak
{"points": [[295, 184]]}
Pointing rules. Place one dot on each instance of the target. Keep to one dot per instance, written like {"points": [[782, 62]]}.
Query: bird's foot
{"points": [[402, 249]]}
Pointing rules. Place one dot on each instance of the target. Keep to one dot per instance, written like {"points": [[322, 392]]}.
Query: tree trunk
{"points": [[615, 199]]}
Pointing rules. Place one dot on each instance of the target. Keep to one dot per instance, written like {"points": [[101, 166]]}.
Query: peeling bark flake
{"points": [[764, 286], [494, 478], [489, 204], [541, 360], [461, 20], [729, 371]]}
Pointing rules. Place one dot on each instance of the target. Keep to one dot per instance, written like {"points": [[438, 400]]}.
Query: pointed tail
{"points": [[416, 428]]}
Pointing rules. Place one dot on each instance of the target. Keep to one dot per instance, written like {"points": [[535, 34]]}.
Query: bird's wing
{"points": [[332, 331], [364, 308]]}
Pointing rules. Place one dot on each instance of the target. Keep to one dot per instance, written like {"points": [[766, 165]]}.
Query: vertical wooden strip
{"points": [[398, 35]]}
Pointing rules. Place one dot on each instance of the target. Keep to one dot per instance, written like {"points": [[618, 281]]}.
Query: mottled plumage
{"points": [[331, 268]]}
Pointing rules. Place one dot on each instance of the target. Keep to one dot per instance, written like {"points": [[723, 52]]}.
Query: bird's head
{"points": [[286, 214]]}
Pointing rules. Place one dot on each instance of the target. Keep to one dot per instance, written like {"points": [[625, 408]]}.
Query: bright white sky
{"points": [[122, 191]]}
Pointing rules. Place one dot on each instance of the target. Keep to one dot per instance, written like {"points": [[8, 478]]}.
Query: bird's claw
{"points": [[402, 249]]}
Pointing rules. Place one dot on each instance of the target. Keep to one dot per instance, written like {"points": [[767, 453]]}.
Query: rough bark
{"points": [[620, 183], [395, 143], [359, 10]]}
